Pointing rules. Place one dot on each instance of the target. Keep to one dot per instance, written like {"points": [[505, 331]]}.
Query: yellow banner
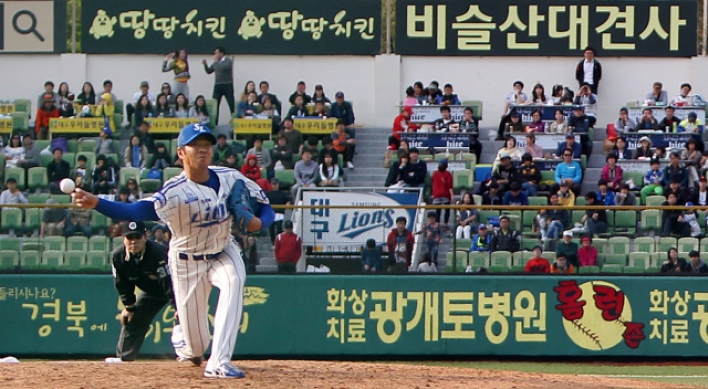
{"points": [[75, 125], [252, 126], [6, 126], [78, 108], [169, 125], [315, 126], [6, 108]]}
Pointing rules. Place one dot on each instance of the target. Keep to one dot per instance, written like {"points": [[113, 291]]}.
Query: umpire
{"points": [[143, 264]]}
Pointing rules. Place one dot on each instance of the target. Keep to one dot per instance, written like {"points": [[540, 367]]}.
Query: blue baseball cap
{"points": [[192, 132]]}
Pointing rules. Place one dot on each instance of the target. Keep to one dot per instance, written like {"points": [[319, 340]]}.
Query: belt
{"points": [[198, 257]]}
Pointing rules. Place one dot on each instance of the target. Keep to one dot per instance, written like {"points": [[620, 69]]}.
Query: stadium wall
{"points": [[326, 315], [375, 84]]}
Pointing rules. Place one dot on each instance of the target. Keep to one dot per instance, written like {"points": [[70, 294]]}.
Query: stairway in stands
{"points": [[368, 162]]}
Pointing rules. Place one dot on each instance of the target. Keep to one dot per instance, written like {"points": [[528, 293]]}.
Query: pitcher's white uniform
{"points": [[203, 253]]}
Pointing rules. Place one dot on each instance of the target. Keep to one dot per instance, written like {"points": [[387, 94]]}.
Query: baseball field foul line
{"points": [[649, 376]]}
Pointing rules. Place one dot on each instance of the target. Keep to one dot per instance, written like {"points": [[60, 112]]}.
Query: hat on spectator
{"points": [[504, 155], [288, 224], [694, 253], [569, 135], [645, 138], [580, 107], [504, 217], [144, 84], [482, 227], [47, 97], [564, 183], [339, 94], [515, 114], [432, 86], [443, 161], [568, 233], [692, 115]]}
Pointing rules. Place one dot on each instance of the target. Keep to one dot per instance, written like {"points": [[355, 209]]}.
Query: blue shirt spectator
{"points": [[569, 169], [481, 243], [515, 196], [573, 145]]}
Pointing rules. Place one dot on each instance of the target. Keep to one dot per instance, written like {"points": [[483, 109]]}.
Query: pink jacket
{"points": [[605, 175], [587, 256]]}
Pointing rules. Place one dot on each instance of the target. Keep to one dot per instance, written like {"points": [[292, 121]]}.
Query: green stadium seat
{"points": [[651, 220], [477, 107], [665, 243], [10, 243], [71, 143], [549, 255], [268, 144], [610, 224], [484, 215], [704, 245], [463, 244], [23, 105], [500, 259], [613, 268], [113, 160], [38, 198], [527, 223], [32, 244], [52, 260], [576, 216], [61, 198], [70, 158], [462, 179], [514, 219], [37, 178], [86, 145], [77, 243], [74, 260], [116, 242], [170, 172], [498, 269], [580, 200], [625, 223], [600, 244], [98, 243], [478, 259], [614, 259], [655, 201], [11, 220], [33, 219], [618, 245], [589, 269], [688, 244], [45, 159], [637, 177], [30, 260], [97, 261], [149, 185], [460, 262], [9, 260], [127, 173], [286, 178], [18, 174], [639, 260], [645, 244], [528, 244], [54, 243], [538, 200]]}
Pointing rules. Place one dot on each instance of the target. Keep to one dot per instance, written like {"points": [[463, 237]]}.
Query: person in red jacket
{"points": [[47, 111], [537, 264], [442, 190], [400, 247], [250, 168], [587, 255], [402, 123], [288, 249]]}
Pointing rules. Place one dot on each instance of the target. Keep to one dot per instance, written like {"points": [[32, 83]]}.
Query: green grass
{"points": [[594, 368]]}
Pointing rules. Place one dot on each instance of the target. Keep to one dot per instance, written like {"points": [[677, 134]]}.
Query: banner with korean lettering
{"points": [[295, 27], [327, 315], [548, 28]]}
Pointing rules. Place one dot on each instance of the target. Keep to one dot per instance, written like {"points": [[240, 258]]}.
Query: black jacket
{"points": [[596, 72], [511, 241], [58, 171], [530, 173], [670, 267], [414, 173], [150, 273]]}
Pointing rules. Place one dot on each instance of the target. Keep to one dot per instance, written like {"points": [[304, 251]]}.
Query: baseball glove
{"points": [[242, 206]]}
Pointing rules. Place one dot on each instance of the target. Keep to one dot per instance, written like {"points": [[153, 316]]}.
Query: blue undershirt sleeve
{"points": [[267, 216], [139, 211]]}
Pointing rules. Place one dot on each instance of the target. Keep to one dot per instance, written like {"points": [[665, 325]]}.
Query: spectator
{"points": [[311, 145], [682, 194], [670, 122], [396, 174], [276, 196], [293, 137], [551, 222], [566, 197], [66, 101], [52, 221], [288, 249], [556, 95], [166, 89], [181, 106], [537, 124], [515, 196], [178, 63], [427, 265], [466, 218], [674, 222], [230, 162], [269, 111], [12, 195], [130, 108], [134, 191], [647, 121], [492, 196], [589, 71], [78, 222], [135, 154], [104, 144], [342, 110], [683, 98], [505, 239], [415, 171], [163, 108], [103, 176], [516, 97], [695, 265], [538, 95], [515, 125], [674, 171], [162, 158], [400, 247], [46, 111], [434, 97], [320, 110], [432, 232], [329, 172], [221, 150], [418, 92], [31, 155], [470, 125], [248, 88], [570, 172], [87, 95], [250, 253], [146, 138], [700, 194], [282, 156], [691, 124], [594, 221], [410, 99], [223, 78], [652, 181], [620, 150], [690, 217], [624, 122], [107, 88], [344, 142], [585, 96], [644, 150], [571, 144], [49, 90], [509, 149], [265, 93], [445, 123], [305, 173], [143, 109], [441, 183], [57, 170], [482, 240], [250, 168], [534, 150], [371, 257], [587, 254], [263, 155], [568, 248], [561, 266], [402, 150], [80, 174], [658, 95], [401, 123], [612, 173], [579, 121], [300, 91], [529, 175], [691, 158], [319, 96], [200, 111], [449, 98], [624, 196], [673, 263], [537, 264], [559, 124], [298, 109]]}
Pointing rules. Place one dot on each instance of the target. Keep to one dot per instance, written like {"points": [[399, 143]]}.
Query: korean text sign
{"points": [[549, 27], [244, 27]]}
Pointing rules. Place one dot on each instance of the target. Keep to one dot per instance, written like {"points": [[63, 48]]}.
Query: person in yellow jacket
{"points": [[106, 108], [177, 62]]}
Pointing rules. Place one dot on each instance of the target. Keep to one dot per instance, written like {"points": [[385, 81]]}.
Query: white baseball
{"points": [[67, 185]]}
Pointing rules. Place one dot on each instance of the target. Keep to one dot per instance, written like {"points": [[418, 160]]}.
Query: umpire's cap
{"points": [[192, 132], [133, 228]]}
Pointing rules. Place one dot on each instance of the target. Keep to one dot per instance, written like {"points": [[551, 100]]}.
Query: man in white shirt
{"points": [[514, 98], [12, 195], [589, 71], [683, 98]]}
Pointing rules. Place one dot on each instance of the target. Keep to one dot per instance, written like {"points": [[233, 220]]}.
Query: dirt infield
{"points": [[290, 374]]}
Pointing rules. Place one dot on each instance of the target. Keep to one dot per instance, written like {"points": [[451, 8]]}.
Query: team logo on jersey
{"points": [[190, 198]]}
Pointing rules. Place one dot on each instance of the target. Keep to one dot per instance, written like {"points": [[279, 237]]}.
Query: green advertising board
{"points": [[546, 28], [321, 315], [299, 27]]}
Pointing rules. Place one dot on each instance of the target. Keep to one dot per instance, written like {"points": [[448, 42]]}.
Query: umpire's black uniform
{"points": [[149, 272]]}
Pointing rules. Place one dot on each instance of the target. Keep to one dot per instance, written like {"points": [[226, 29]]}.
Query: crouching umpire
{"points": [[143, 264]]}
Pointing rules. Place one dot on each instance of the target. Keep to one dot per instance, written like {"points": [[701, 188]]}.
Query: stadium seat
{"points": [[10, 243], [538, 200], [30, 260], [32, 244], [610, 224], [149, 185], [99, 222], [576, 216], [54, 243], [500, 259], [268, 145], [460, 263], [74, 260], [33, 219], [286, 178], [528, 244], [463, 179], [478, 259], [638, 263], [704, 245], [589, 269], [9, 260], [45, 159], [127, 173], [86, 145], [52, 260], [665, 243], [484, 215], [70, 158], [97, 261], [636, 177], [77, 243], [170, 172], [61, 198], [612, 268], [600, 244], [688, 244], [580, 200], [38, 198], [463, 244], [18, 174], [116, 242], [651, 220], [37, 178], [71, 143], [98, 243], [498, 269], [618, 245], [614, 259], [645, 244], [477, 107], [549, 255], [113, 160], [655, 201], [625, 223], [11, 220], [527, 223]]}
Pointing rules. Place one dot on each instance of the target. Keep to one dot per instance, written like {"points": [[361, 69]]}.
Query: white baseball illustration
{"points": [[67, 185], [592, 331]]}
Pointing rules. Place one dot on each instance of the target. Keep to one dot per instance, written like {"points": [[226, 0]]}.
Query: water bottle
{"points": [[674, 129]]}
